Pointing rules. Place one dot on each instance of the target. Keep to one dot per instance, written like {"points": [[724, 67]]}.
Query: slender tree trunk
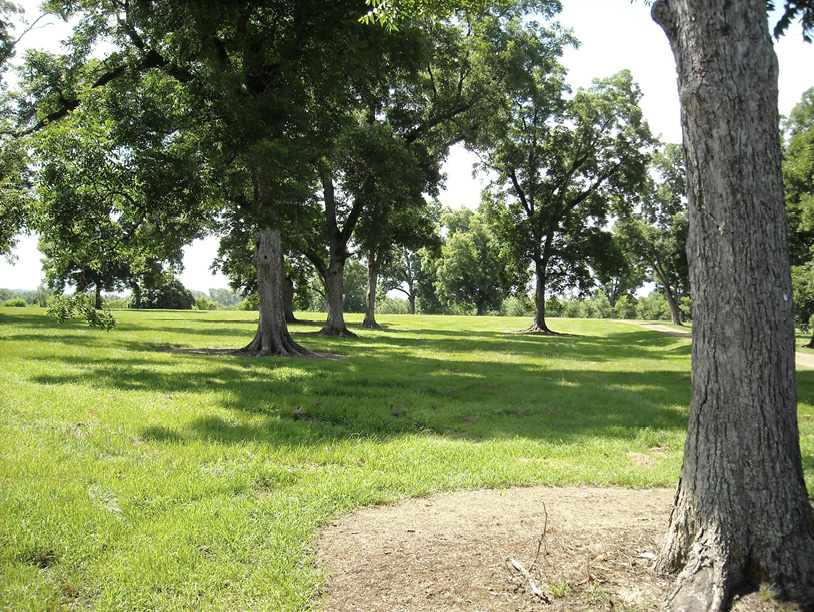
{"points": [[411, 302], [272, 337], [669, 293], [741, 513], [135, 290], [675, 313], [98, 297], [334, 295], [539, 326], [372, 282], [334, 274], [810, 342], [288, 299]]}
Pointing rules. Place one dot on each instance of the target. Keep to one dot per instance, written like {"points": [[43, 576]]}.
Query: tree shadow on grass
{"points": [[458, 384], [386, 395]]}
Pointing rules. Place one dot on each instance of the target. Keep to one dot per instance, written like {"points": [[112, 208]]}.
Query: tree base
{"points": [[536, 329], [370, 324], [343, 332], [278, 347], [716, 561]]}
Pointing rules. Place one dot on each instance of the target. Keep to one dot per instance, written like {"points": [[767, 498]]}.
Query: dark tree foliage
{"points": [[121, 185], [473, 271], [168, 294]]}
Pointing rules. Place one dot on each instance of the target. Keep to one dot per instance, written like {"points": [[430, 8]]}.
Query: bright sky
{"points": [[615, 34]]}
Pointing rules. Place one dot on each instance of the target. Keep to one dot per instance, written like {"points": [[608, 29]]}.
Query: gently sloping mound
{"points": [[476, 550]]}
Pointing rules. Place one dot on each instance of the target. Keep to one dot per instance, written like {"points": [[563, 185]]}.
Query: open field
{"points": [[132, 477]]}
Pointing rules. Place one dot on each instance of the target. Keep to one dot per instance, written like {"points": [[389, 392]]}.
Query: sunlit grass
{"points": [[132, 477]]}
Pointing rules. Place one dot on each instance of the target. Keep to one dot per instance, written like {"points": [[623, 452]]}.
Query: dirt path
{"points": [[673, 331], [805, 360]]}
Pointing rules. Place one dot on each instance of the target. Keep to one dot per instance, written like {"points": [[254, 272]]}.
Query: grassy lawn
{"points": [[136, 478]]}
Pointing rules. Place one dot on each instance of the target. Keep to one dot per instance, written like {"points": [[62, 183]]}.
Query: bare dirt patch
{"points": [[455, 552]]}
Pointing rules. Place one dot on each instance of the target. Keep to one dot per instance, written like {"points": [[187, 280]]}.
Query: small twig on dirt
{"points": [[527, 575], [541, 541]]}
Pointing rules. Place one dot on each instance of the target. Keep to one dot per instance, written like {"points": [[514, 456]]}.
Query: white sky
{"points": [[614, 35]]}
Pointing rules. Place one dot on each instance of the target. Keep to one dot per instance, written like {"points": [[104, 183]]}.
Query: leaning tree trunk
{"points": [[272, 337], [288, 300], [741, 513], [334, 295], [669, 293], [539, 326], [372, 282], [675, 313]]}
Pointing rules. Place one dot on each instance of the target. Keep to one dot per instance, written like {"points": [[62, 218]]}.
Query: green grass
{"points": [[135, 478]]}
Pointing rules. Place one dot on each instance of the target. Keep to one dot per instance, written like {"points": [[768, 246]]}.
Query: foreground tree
{"points": [[741, 514]]}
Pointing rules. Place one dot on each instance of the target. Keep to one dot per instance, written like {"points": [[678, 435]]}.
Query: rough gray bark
{"points": [[741, 514], [373, 264], [272, 337]]}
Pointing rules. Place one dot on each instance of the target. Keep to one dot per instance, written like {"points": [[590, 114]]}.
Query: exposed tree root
{"points": [[275, 346], [333, 331], [713, 570], [371, 324], [540, 331], [703, 585]]}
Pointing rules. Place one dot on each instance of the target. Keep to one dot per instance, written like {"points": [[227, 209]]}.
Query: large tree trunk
{"points": [[741, 514], [539, 326], [372, 282], [272, 337], [480, 309], [411, 302]]}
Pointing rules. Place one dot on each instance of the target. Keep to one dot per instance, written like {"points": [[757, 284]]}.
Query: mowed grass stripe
{"points": [[137, 478]]}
